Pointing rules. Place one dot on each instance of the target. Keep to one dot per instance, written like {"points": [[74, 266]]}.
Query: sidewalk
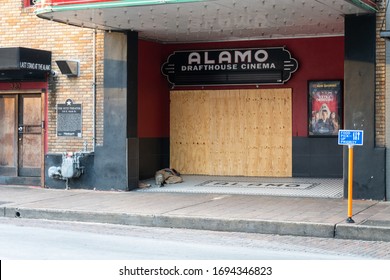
{"points": [[318, 217]]}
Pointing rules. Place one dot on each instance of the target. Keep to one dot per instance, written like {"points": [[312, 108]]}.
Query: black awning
{"points": [[24, 64]]}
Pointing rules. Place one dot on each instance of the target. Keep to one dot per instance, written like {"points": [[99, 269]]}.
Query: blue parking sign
{"points": [[350, 137]]}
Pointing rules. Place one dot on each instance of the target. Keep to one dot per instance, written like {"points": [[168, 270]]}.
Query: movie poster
{"points": [[325, 108]]}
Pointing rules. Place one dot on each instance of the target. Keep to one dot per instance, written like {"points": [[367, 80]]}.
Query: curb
{"points": [[198, 223], [324, 230], [363, 232]]}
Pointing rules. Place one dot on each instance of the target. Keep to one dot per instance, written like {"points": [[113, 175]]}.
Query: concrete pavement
{"points": [[318, 217]]}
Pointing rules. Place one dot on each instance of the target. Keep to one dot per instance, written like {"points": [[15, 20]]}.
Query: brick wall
{"points": [[21, 28], [380, 83]]}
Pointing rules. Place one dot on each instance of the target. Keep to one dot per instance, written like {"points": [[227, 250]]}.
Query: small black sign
{"points": [[24, 64], [25, 59], [230, 67], [69, 119]]}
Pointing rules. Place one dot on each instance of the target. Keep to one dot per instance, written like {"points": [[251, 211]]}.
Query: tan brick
{"points": [[20, 27]]}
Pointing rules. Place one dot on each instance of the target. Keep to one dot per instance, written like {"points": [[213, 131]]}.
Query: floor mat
{"points": [[298, 187], [277, 185]]}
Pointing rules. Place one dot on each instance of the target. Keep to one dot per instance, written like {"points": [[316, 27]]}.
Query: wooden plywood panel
{"points": [[257, 132], [226, 133], [269, 141], [189, 130], [232, 132]]}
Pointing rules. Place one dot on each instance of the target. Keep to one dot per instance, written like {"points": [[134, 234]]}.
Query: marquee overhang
{"points": [[213, 20]]}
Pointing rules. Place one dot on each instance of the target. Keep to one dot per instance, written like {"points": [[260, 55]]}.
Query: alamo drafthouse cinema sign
{"points": [[230, 67]]}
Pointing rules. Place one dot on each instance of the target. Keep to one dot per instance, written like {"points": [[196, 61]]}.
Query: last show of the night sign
{"points": [[230, 67]]}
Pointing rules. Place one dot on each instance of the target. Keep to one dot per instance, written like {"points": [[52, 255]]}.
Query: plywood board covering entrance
{"points": [[232, 132]]}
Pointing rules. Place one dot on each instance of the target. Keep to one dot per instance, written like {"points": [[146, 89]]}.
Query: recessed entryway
{"points": [[21, 138]]}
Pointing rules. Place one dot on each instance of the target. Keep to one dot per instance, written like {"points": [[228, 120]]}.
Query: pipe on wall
{"points": [[94, 90], [387, 135]]}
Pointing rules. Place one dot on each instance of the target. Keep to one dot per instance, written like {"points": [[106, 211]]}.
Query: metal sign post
{"points": [[350, 138], [350, 183]]}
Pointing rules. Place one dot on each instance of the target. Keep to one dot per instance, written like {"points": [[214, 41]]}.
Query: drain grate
{"points": [[276, 185]]}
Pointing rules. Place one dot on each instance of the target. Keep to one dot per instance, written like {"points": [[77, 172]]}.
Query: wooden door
{"points": [[30, 136], [8, 135]]}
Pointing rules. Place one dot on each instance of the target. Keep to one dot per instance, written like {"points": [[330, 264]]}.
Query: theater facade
{"points": [[225, 87]]}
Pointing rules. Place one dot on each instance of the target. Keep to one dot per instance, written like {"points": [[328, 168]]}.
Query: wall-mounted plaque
{"points": [[69, 119]]}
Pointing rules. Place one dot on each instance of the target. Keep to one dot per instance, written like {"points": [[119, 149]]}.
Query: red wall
{"points": [[318, 59], [153, 92], [22, 85]]}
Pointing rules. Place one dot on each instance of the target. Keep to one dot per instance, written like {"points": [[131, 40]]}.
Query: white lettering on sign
{"points": [[242, 57], [194, 57], [206, 67], [278, 185], [356, 136], [350, 137], [226, 57], [207, 60], [260, 53], [324, 96], [217, 67], [34, 66], [256, 66]]}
